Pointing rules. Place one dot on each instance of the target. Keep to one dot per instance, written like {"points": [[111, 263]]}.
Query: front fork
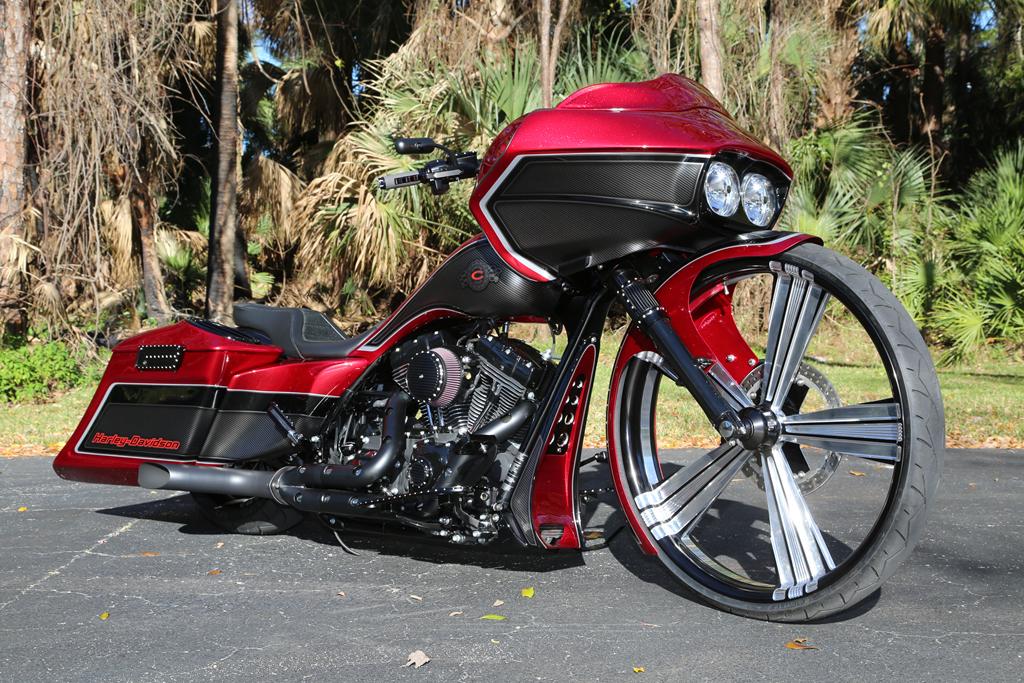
{"points": [[749, 426]]}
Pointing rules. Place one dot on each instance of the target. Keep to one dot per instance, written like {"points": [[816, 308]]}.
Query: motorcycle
{"points": [[645, 199]]}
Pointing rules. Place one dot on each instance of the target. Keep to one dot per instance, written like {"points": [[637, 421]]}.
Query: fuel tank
{"points": [[612, 170]]}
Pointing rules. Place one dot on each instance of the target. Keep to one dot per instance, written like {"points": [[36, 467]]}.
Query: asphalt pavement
{"points": [[113, 583]]}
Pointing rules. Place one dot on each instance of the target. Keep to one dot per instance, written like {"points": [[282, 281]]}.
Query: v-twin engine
{"points": [[465, 385]]}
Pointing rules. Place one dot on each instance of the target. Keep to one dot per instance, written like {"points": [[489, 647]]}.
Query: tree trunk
{"points": [[544, 27], [220, 275], [144, 225], [934, 87], [835, 84], [14, 29], [550, 46], [778, 119], [711, 70]]}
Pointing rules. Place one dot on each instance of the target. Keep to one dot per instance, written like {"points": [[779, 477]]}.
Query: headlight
{"points": [[758, 195], [722, 189]]}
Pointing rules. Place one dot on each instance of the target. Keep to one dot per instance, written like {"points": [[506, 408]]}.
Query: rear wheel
{"points": [[815, 520], [250, 516]]}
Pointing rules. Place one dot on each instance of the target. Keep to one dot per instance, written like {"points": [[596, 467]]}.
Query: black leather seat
{"points": [[301, 332]]}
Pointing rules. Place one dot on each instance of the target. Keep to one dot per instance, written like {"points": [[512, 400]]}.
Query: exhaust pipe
{"points": [[199, 479], [283, 486]]}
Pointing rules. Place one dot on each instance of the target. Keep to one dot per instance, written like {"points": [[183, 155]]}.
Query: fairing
{"points": [[670, 115]]}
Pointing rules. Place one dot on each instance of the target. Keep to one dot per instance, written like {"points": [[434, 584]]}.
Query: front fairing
{"points": [[614, 169]]}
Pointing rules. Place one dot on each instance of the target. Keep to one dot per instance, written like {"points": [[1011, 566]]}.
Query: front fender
{"points": [[707, 328]]}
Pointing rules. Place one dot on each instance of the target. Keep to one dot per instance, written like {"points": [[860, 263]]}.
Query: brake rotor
{"points": [[812, 379]]}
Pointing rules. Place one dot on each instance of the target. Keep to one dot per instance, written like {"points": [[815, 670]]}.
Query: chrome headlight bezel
{"points": [[758, 198], [722, 189], [744, 165]]}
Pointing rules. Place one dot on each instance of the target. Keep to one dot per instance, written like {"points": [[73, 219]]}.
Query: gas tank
{"points": [[613, 170]]}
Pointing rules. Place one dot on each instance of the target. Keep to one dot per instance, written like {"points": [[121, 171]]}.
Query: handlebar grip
{"points": [[393, 181], [414, 145]]}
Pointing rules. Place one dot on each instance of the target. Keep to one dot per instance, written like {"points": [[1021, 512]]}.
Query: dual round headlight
{"points": [[725, 193]]}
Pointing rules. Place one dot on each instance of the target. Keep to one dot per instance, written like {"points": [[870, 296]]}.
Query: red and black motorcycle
{"points": [[644, 196]]}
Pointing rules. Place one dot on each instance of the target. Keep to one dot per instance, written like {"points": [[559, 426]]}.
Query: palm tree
{"points": [[220, 276], [13, 80]]}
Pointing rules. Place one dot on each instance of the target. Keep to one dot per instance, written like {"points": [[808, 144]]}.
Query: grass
{"points": [[984, 402]]}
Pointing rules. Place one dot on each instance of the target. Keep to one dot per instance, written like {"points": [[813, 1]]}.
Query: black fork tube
{"points": [[652, 319]]}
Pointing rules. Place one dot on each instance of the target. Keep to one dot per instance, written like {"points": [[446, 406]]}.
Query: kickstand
{"points": [[343, 546]]}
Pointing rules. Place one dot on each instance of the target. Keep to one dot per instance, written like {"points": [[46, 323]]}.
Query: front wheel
{"points": [[816, 519]]}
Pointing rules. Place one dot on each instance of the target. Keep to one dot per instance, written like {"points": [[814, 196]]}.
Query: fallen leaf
{"points": [[638, 669], [593, 535], [23, 509], [416, 598], [149, 553], [493, 617], [341, 594], [220, 544], [856, 473], [417, 659], [456, 614], [528, 592], [214, 572], [494, 641], [104, 616], [799, 644], [498, 603]]}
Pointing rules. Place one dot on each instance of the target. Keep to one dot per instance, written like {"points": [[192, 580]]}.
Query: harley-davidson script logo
{"points": [[134, 441]]}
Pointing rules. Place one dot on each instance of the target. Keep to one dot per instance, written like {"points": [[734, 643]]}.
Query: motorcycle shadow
{"points": [[371, 538]]}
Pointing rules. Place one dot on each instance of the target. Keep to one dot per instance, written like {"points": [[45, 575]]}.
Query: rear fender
{"points": [[707, 328]]}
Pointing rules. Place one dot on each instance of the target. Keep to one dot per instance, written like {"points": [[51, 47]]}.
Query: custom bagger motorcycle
{"points": [[643, 198]]}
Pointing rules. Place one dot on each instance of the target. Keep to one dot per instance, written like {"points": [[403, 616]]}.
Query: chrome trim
{"points": [[867, 430], [801, 556], [796, 309], [680, 500]]}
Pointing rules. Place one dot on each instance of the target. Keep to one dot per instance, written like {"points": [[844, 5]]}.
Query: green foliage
{"points": [[34, 372], [858, 192], [986, 248]]}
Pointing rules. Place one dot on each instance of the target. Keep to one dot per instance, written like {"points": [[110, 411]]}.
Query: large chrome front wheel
{"points": [[815, 519]]}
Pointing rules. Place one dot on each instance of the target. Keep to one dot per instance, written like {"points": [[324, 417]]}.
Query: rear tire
{"points": [[249, 516]]}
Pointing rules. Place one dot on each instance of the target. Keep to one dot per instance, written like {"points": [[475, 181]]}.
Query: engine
{"points": [[463, 386]]}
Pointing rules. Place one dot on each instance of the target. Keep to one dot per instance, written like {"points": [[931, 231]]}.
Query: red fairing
{"points": [[707, 328], [209, 360], [668, 114], [554, 484]]}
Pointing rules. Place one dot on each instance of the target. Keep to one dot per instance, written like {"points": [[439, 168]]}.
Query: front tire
{"points": [[791, 567]]}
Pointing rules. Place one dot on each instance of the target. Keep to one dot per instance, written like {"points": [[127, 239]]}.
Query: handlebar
{"points": [[439, 173]]}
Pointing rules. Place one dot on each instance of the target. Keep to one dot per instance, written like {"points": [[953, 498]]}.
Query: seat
{"points": [[300, 332]]}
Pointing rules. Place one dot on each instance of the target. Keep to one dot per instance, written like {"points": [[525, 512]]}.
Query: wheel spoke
{"points": [[801, 556], [867, 430], [729, 388], [676, 503], [796, 309]]}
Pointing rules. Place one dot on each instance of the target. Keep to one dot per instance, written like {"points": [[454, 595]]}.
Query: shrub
{"points": [[33, 372]]}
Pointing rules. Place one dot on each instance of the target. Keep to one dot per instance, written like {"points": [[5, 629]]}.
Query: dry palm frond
{"points": [[116, 222], [102, 78], [270, 190], [308, 99]]}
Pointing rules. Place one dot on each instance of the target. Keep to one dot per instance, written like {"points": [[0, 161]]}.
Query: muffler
{"points": [[284, 486], [199, 479]]}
